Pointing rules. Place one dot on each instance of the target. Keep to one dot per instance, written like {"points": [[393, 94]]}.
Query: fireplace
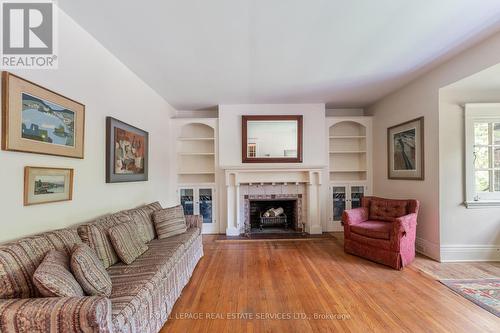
{"points": [[257, 205]]}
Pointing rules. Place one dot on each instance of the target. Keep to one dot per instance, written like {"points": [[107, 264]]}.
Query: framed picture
{"points": [[43, 185], [405, 146], [126, 152], [38, 120]]}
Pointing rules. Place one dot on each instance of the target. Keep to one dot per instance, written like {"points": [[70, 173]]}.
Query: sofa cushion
{"points": [[372, 229], [89, 271], [18, 262], [64, 239], [127, 241], [169, 221], [142, 216], [95, 235], [53, 277], [136, 286], [387, 210]]}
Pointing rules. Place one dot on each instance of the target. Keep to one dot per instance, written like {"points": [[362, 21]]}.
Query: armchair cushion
{"points": [[387, 210], [373, 229]]}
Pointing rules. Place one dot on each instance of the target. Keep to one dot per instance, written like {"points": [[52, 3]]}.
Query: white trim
{"points": [[482, 204], [457, 253], [427, 248]]}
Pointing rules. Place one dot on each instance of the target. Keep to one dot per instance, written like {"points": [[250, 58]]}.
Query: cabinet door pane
{"points": [[206, 207], [339, 196], [357, 193], [187, 200]]}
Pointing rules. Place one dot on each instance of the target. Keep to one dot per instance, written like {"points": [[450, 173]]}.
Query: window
{"points": [[482, 139], [252, 150]]}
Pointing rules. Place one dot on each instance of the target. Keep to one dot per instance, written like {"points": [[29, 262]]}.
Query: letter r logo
{"points": [[27, 28]]}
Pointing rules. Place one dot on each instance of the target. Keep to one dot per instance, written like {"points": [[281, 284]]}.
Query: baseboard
{"points": [[454, 253], [427, 248]]}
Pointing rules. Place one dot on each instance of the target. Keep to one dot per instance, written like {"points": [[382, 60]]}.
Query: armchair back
{"points": [[388, 209]]}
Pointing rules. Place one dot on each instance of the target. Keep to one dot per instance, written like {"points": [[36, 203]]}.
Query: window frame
{"points": [[479, 113]]}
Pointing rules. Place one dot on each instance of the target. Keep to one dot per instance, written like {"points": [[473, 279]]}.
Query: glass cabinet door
{"points": [[357, 193], [339, 201], [206, 204], [187, 200]]}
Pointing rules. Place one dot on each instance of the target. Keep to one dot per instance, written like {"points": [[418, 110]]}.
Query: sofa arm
{"points": [[354, 216], [56, 314], [405, 224], [194, 221]]}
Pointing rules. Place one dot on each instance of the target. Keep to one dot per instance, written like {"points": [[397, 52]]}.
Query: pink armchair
{"points": [[382, 230]]}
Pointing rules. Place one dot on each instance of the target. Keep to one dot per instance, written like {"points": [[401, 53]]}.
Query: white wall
{"points": [[91, 75], [466, 234], [313, 131], [421, 98]]}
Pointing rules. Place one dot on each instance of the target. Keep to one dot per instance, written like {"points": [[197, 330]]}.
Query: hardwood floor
{"points": [[313, 286]]}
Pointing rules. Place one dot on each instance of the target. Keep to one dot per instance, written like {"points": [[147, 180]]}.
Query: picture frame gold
{"points": [[56, 124], [43, 185]]}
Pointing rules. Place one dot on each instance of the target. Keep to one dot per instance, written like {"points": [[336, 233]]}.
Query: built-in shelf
{"points": [[348, 137], [195, 139], [195, 172], [196, 154], [349, 152]]}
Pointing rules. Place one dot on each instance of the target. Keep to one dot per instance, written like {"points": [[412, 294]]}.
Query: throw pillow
{"points": [[127, 242], [89, 271], [53, 277], [169, 222]]}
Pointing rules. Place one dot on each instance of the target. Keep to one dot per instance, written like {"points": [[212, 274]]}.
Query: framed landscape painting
{"points": [[38, 120], [126, 152], [405, 145], [43, 185]]}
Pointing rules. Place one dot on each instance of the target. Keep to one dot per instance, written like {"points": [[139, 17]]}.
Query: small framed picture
{"points": [[126, 152], [405, 150], [44, 185], [38, 120]]}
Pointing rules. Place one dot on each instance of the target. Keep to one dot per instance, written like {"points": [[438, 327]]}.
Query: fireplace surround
{"points": [[262, 183], [255, 205]]}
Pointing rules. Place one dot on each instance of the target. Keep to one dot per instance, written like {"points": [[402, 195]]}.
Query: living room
{"points": [[245, 166]]}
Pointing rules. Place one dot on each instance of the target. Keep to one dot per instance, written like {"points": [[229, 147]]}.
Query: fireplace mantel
{"points": [[234, 177]]}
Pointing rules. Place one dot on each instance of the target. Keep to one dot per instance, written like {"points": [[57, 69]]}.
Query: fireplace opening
{"points": [[273, 216]]}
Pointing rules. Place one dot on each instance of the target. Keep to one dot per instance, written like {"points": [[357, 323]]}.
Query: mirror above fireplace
{"points": [[272, 139]]}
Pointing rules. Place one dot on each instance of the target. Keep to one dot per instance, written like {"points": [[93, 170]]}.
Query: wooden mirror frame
{"points": [[244, 142]]}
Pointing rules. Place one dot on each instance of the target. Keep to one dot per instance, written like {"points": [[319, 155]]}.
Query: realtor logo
{"points": [[28, 34]]}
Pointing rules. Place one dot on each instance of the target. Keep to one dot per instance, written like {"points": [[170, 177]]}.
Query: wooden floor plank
{"points": [[322, 289]]}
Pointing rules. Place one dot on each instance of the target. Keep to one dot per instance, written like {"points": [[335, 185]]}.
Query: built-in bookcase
{"points": [[196, 150], [350, 166], [196, 154]]}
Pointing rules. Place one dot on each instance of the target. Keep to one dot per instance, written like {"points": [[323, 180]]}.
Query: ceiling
{"points": [[198, 54]]}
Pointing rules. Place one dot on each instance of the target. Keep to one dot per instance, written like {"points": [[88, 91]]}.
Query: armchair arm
{"points": [[56, 315], [405, 224], [354, 216], [194, 221]]}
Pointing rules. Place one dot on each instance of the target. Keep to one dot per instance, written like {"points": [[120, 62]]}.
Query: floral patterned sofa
{"points": [[143, 293]]}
